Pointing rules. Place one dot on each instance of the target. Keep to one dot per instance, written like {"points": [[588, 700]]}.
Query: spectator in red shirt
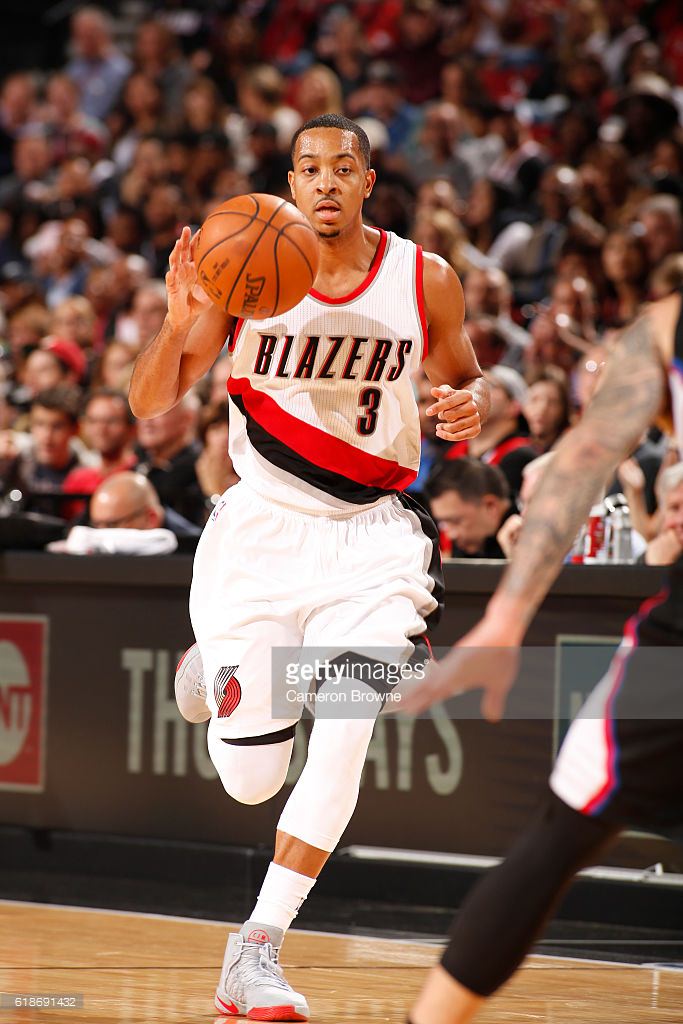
{"points": [[504, 439]]}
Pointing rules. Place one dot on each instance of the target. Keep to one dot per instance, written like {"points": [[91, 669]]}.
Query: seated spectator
{"points": [[564, 328], [508, 535], [68, 264], [382, 97], [528, 253], [74, 318], [271, 165], [157, 55], [318, 92], [497, 341], [25, 329], [441, 232], [39, 470], [108, 429], [97, 67], [116, 366], [470, 501], [482, 147], [147, 314], [57, 362], [546, 409], [638, 477], [436, 155], [432, 448], [129, 501], [662, 225], [168, 450], [214, 467], [624, 260], [504, 439], [261, 95], [488, 293], [667, 546]]}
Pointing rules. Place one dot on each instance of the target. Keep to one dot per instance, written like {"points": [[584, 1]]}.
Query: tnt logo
{"points": [[22, 702]]}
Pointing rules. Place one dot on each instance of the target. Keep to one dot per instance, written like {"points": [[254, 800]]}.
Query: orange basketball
{"points": [[256, 256]]}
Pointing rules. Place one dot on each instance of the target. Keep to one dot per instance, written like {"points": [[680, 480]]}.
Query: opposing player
{"points": [[317, 546], [620, 763]]}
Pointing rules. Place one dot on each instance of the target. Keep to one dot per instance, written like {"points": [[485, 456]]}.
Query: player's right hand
{"points": [[186, 299]]}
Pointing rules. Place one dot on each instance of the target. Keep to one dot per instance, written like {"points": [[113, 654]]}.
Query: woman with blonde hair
{"points": [[318, 92]]}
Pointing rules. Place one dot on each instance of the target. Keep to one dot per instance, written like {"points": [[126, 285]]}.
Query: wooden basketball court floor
{"points": [[142, 969]]}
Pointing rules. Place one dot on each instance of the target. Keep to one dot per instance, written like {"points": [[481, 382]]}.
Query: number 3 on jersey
{"points": [[369, 400]]}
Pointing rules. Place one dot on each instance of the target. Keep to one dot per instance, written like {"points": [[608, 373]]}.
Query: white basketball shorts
{"points": [[266, 576]]}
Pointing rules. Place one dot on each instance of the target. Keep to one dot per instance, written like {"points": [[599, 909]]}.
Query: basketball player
{"points": [[620, 763], [317, 546]]}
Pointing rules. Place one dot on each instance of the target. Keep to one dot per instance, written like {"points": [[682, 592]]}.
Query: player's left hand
{"points": [[484, 659], [458, 414]]}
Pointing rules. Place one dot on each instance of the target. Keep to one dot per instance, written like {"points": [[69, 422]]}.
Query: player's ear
{"points": [[370, 179], [290, 179]]}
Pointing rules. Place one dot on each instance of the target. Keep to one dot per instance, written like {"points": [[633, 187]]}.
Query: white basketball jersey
{"points": [[323, 415]]}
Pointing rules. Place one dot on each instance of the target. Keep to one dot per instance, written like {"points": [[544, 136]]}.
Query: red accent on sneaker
{"points": [[274, 1013], [227, 1008], [177, 668], [258, 936]]}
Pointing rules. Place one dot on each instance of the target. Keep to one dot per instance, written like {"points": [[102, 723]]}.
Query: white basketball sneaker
{"points": [[190, 688], [252, 983]]}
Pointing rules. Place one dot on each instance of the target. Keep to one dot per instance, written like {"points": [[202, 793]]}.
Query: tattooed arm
{"points": [[627, 402]]}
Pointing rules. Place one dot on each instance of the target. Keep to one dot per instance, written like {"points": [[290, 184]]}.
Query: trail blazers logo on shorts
{"points": [[227, 690], [23, 655]]}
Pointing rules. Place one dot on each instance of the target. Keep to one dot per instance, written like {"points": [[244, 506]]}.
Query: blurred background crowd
{"points": [[534, 144]]}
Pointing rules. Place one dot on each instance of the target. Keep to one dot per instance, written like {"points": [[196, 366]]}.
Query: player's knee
{"points": [[250, 774], [251, 791]]}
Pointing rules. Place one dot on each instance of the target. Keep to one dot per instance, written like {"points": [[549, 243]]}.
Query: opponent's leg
{"points": [[505, 912]]}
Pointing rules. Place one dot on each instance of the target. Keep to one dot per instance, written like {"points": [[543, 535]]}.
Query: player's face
{"points": [[330, 180]]}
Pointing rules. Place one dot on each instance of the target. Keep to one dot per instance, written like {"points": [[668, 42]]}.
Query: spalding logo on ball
{"points": [[256, 256], [16, 704]]}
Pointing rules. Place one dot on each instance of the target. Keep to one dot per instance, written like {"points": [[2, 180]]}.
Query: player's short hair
{"points": [[471, 479], [344, 124]]}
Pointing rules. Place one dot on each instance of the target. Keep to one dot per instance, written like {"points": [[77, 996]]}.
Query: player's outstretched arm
{"points": [[623, 408], [625, 405], [461, 393], [189, 341]]}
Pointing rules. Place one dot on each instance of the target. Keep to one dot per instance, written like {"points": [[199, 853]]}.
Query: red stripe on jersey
{"points": [[316, 446], [420, 296], [365, 283]]}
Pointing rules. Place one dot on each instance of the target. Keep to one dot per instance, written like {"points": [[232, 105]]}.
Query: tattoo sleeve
{"points": [[623, 408]]}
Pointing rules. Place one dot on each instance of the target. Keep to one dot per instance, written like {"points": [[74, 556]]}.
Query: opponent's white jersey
{"points": [[323, 416]]}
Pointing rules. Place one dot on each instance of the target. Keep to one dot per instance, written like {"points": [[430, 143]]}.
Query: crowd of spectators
{"points": [[536, 146]]}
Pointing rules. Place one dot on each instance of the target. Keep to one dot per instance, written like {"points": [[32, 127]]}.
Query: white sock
{"points": [[282, 893]]}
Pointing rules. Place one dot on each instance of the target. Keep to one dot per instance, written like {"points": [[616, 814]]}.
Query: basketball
{"points": [[256, 256]]}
